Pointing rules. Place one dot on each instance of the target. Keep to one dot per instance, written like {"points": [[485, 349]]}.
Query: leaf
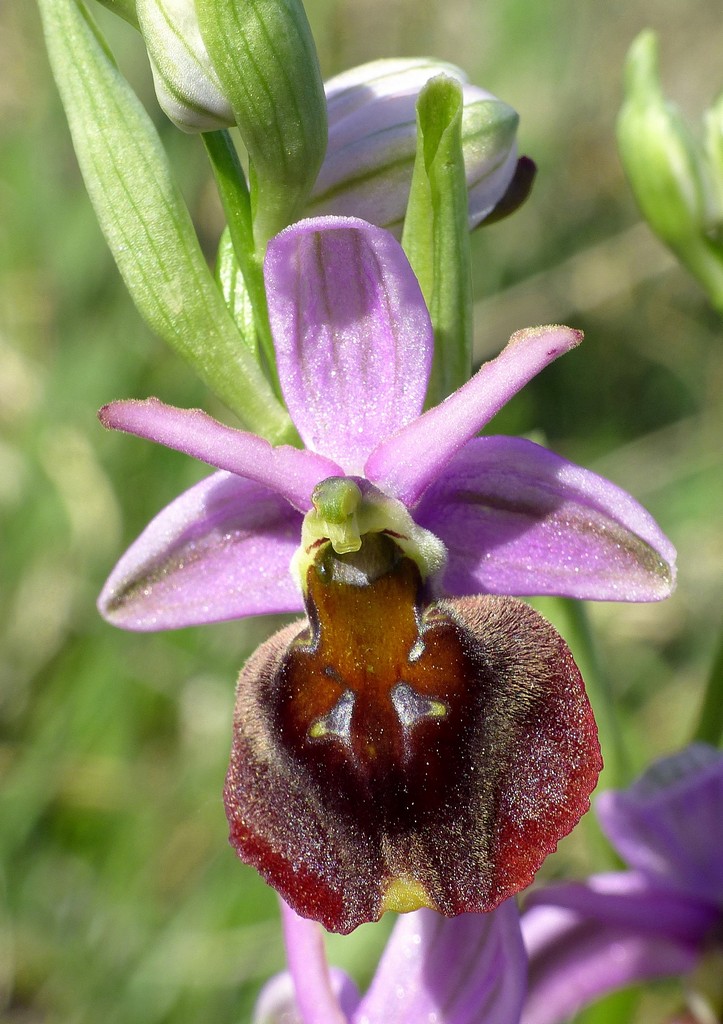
{"points": [[436, 233]]}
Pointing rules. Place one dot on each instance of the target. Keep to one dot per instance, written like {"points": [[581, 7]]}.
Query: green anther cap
{"points": [[336, 501], [342, 516]]}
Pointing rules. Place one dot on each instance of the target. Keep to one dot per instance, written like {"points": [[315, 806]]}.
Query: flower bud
{"points": [[677, 180], [187, 86], [663, 162], [372, 142]]}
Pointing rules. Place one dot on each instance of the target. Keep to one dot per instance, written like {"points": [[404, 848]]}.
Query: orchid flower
{"points": [[661, 918], [470, 970], [435, 711]]}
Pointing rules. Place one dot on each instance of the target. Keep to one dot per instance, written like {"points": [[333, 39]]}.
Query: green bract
{"points": [[146, 222], [235, 292], [436, 235], [713, 123], [125, 9], [264, 56]]}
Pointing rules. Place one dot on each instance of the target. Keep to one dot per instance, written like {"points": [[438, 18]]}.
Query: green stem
{"points": [[577, 631], [710, 722], [236, 201], [703, 257], [615, 1008]]}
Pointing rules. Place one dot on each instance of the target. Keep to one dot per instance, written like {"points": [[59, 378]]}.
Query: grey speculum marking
{"points": [[411, 707], [337, 723]]}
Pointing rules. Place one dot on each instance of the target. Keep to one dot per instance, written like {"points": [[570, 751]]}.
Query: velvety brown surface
{"points": [[449, 746]]}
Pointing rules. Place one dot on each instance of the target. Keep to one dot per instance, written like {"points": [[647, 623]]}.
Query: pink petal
{"points": [[631, 900], [406, 464], [467, 970], [219, 551], [290, 472], [668, 823], [518, 519], [352, 334], [585, 941], [316, 998], [277, 1003]]}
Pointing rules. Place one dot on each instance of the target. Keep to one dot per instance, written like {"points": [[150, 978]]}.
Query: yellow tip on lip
{"points": [[403, 895]]}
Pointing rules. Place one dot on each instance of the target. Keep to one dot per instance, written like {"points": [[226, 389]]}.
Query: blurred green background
{"points": [[120, 899]]}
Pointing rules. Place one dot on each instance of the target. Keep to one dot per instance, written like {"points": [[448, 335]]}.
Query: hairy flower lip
{"points": [[515, 518], [424, 715]]}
